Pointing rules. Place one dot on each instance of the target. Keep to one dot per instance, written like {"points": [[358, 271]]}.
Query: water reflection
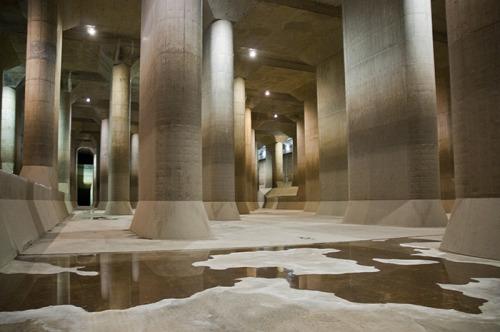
{"points": [[130, 279]]}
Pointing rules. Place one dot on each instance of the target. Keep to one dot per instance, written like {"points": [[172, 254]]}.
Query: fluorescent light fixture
{"points": [[87, 100], [275, 115], [267, 93], [252, 53]]}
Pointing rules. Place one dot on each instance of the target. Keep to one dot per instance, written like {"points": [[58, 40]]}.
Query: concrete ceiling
{"points": [[290, 36]]}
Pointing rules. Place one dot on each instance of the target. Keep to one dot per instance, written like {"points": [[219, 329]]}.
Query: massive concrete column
{"points": [[134, 170], [119, 143], [270, 152], [299, 146], [332, 136], [170, 157], [240, 166], [250, 162], [391, 111], [445, 134], [40, 129], [474, 227], [103, 165], [64, 144], [311, 154], [218, 123], [278, 165], [8, 128]]}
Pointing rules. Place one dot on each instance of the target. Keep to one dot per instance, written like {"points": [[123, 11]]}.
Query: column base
{"points": [[332, 208], [474, 228], [118, 208], [176, 220], [403, 213], [311, 206], [102, 205], [222, 211], [243, 208], [45, 175]]}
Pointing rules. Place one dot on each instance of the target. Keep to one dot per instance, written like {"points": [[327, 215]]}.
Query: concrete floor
{"points": [[292, 271]]}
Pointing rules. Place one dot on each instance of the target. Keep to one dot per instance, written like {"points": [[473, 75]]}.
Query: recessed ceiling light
{"points": [[91, 30], [267, 93], [252, 53], [87, 100], [275, 115]]}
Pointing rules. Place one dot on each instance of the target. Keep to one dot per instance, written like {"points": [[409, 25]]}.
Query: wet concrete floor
{"points": [[130, 279]]}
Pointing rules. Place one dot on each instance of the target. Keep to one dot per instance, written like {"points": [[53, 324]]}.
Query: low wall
{"points": [[27, 211]]}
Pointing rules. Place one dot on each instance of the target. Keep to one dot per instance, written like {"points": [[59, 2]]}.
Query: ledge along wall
{"points": [[27, 211]]}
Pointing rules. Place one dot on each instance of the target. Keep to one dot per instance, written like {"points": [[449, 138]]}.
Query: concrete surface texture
{"points": [[40, 128], [313, 191], [8, 130], [64, 142], [170, 189], [476, 213], [103, 165], [332, 136], [401, 165], [240, 164], [119, 143], [134, 170], [218, 122]]}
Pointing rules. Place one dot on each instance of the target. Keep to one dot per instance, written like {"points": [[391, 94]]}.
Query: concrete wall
{"points": [[27, 211]]}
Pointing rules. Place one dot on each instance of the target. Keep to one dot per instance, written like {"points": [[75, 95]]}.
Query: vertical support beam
{"points": [[391, 110], [64, 144], [170, 158], [103, 165], [240, 165], [40, 138], [134, 170], [250, 162], [73, 174], [119, 143], [278, 165], [270, 155], [474, 227], [312, 155], [218, 123], [8, 129], [332, 136], [299, 146]]}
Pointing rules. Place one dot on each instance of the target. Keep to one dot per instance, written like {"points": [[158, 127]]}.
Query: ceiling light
{"points": [[267, 93], [275, 115], [91, 30], [252, 53], [87, 100]]}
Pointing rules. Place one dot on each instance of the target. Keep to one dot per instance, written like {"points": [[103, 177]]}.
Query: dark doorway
{"points": [[85, 178]]}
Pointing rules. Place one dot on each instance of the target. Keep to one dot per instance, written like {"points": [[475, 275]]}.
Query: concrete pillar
{"points": [[253, 188], [278, 165], [240, 166], [8, 129], [391, 111], [270, 152], [64, 144], [295, 165], [332, 136], [472, 35], [18, 163], [40, 129], [119, 143], [312, 154], [218, 123], [170, 157], [134, 170], [250, 162], [103, 165], [299, 146], [73, 175], [444, 120]]}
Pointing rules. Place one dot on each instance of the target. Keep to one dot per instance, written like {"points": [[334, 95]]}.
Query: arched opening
{"points": [[85, 176]]}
